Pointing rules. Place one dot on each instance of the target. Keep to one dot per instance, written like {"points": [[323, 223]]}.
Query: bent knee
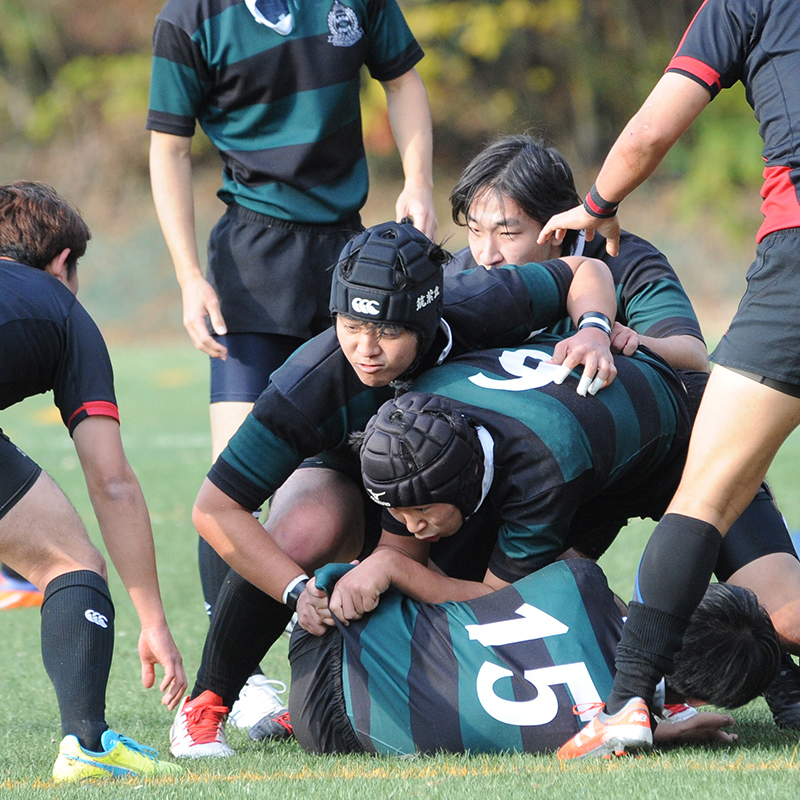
{"points": [[319, 520], [54, 565], [316, 536]]}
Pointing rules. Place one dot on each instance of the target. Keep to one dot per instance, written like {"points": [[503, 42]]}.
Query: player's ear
{"points": [[58, 266]]}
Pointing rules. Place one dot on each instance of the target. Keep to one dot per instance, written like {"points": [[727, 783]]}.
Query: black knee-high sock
{"points": [[673, 576], [77, 647], [245, 624], [213, 571]]}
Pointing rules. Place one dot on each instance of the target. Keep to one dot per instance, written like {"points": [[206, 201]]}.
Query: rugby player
{"points": [[509, 191], [751, 404], [517, 670], [49, 342]]}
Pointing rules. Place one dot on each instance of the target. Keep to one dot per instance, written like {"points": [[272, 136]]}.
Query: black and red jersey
{"points": [[756, 42], [48, 341]]}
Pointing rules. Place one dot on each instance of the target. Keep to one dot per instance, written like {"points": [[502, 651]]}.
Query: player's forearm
{"points": [[592, 288], [680, 352], [121, 513], [171, 184], [410, 119], [241, 541], [426, 586], [124, 522]]}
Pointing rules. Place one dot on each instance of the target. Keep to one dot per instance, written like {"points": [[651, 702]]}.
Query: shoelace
{"points": [[141, 749], [203, 722], [585, 708], [269, 684], [271, 687], [283, 719]]}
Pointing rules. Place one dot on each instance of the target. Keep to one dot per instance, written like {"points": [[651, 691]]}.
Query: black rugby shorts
{"points": [[18, 473], [764, 336]]}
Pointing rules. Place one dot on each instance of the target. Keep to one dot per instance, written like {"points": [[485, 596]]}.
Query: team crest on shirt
{"points": [[343, 25]]}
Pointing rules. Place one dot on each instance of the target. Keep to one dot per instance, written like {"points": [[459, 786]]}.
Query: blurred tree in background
{"points": [[74, 83], [74, 75]]}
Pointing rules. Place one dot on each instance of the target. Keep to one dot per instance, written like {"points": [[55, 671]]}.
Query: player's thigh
{"points": [[775, 579], [740, 426], [317, 516], [225, 421], [42, 536], [237, 382]]}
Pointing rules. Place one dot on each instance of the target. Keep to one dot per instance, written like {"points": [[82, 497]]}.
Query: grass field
{"points": [[162, 390]]}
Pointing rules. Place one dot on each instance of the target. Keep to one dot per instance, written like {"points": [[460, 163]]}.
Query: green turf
{"points": [[162, 392]]}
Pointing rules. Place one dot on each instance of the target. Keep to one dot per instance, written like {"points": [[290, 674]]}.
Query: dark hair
{"points": [[730, 651], [380, 328], [526, 170], [37, 225]]}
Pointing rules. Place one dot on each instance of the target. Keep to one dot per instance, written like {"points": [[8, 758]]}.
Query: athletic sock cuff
{"points": [[690, 544], [650, 634], [81, 577]]}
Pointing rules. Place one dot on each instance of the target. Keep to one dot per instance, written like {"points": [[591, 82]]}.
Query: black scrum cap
{"points": [[391, 273], [417, 450]]}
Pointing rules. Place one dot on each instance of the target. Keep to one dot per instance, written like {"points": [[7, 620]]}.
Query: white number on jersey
{"points": [[532, 623], [527, 377]]}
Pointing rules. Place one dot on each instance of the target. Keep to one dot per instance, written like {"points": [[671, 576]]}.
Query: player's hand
{"points": [[624, 340], [576, 219], [705, 727], [157, 647], [313, 613], [359, 591], [200, 300], [592, 348], [417, 205]]}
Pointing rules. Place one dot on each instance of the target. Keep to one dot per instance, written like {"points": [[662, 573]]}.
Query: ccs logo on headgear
{"points": [[363, 306]]}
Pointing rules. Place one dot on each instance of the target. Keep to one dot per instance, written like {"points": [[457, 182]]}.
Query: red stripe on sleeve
{"points": [[686, 32], [709, 76], [97, 408]]}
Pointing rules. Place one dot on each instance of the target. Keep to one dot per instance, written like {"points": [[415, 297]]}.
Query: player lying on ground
{"points": [[394, 317], [49, 342], [504, 672]]}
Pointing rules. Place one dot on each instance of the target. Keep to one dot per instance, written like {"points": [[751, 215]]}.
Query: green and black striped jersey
{"points": [[558, 456], [283, 111], [500, 673]]}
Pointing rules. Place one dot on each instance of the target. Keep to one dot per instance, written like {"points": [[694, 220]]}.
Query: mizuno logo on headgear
{"points": [[362, 306], [376, 496], [96, 618]]}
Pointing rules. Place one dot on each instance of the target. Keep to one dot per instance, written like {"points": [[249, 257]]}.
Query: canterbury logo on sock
{"points": [[96, 618]]}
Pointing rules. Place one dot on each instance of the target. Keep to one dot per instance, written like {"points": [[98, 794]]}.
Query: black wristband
{"points": [[294, 595], [595, 206], [595, 319]]}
